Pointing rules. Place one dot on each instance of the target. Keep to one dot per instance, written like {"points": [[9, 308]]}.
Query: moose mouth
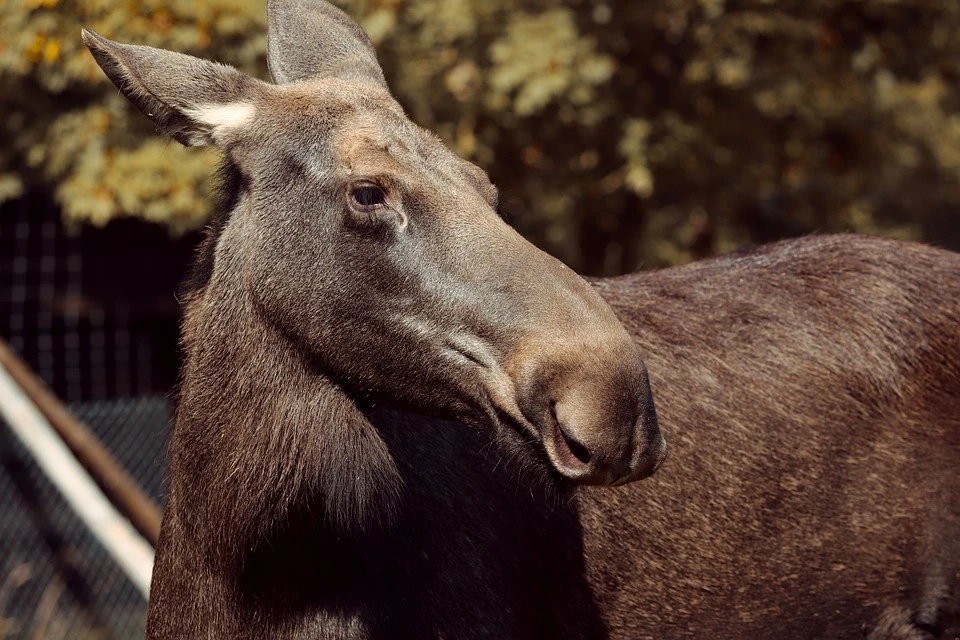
{"points": [[536, 422], [547, 446], [565, 459]]}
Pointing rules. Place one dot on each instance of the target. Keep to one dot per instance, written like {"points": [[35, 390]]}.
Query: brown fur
{"points": [[812, 389]]}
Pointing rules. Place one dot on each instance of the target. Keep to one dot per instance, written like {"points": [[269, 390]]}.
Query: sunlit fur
{"points": [[811, 389]]}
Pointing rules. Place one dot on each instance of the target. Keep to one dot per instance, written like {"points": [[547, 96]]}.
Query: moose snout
{"points": [[598, 427]]}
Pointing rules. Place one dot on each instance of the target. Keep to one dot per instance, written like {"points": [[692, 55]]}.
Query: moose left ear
{"points": [[196, 101], [313, 39]]}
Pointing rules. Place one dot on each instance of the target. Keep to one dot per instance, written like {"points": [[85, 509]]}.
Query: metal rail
{"points": [[120, 488], [131, 551]]}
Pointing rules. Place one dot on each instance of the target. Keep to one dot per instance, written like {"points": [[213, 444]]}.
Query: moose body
{"points": [[813, 393], [357, 279]]}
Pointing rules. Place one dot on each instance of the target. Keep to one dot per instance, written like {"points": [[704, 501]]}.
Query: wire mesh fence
{"points": [[56, 581], [93, 312]]}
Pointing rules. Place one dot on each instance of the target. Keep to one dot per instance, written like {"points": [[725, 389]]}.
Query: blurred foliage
{"points": [[621, 133], [65, 125]]}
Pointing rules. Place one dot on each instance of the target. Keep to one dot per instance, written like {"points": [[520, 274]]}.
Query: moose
{"points": [[398, 419]]}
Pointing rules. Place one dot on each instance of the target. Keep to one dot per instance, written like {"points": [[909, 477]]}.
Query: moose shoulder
{"points": [[358, 279]]}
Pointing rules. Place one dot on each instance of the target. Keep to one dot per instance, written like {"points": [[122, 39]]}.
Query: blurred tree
{"points": [[622, 133]]}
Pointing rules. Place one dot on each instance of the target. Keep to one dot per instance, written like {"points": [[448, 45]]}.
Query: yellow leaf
{"points": [[51, 51]]}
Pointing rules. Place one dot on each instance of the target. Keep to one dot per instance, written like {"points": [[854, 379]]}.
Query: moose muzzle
{"points": [[591, 402]]}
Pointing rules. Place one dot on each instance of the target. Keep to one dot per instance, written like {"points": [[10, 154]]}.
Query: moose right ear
{"points": [[196, 101]]}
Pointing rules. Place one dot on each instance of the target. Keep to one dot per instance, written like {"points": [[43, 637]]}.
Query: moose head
{"points": [[377, 256]]}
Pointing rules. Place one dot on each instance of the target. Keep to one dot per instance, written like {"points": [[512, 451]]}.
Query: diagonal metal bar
{"points": [[120, 488], [131, 551]]}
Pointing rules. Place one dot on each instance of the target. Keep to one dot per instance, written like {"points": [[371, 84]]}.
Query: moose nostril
{"points": [[576, 449]]}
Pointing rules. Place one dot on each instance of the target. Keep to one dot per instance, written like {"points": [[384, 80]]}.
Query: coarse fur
{"points": [[812, 388], [814, 392]]}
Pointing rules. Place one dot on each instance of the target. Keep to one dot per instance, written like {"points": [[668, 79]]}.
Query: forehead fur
{"points": [[317, 95], [366, 148], [330, 106], [365, 130]]}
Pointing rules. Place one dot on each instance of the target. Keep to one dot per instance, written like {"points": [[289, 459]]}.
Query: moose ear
{"points": [[196, 101], [313, 39]]}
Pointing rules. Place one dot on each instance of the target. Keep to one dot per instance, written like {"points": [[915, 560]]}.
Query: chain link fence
{"points": [[93, 312], [56, 581]]}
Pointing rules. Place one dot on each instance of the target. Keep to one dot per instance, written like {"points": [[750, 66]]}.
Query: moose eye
{"points": [[368, 195], [368, 208]]}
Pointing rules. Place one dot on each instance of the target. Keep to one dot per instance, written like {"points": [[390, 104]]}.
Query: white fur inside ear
{"points": [[221, 117]]}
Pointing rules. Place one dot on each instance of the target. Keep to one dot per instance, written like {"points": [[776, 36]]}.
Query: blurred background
{"points": [[623, 134]]}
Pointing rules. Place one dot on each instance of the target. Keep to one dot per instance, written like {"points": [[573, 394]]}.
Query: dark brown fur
{"points": [[812, 389]]}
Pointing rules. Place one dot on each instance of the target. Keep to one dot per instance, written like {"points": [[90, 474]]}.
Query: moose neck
{"points": [[261, 434]]}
